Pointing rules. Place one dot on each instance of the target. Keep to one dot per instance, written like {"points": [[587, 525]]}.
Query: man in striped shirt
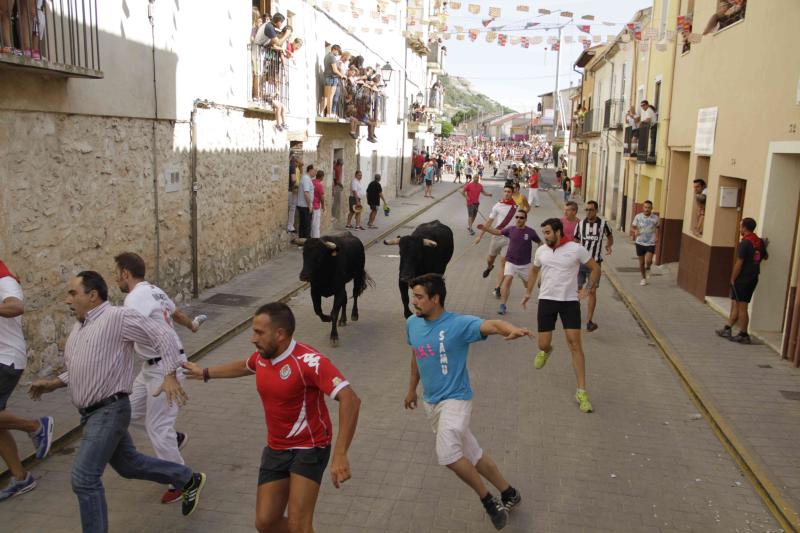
{"points": [[100, 357], [590, 232]]}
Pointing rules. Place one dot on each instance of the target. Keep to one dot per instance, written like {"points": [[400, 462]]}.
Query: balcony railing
{"points": [[268, 77], [353, 101], [436, 100], [587, 122], [612, 113], [61, 37], [646, 149], [436, 53], [629, 147]]}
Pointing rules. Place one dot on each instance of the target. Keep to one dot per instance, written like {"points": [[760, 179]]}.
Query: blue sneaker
{"points": [[15, 488], [43, 438], [502, 309]]}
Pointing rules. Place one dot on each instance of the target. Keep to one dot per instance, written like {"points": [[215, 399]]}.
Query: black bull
{"points": [[329, 264], [426, 251]]}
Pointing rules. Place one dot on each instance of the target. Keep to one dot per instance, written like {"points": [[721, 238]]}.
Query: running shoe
{"points": [[171, 496], [15, 488], [471, 231], [591, 326], [510, 498], [488, 269], [643, 282], [502, 309], [741, 338], [43, 437], [182, 438], [496, 292], [191, 493], [496, 511], [726, 332], [540, 359], [583, 401]]}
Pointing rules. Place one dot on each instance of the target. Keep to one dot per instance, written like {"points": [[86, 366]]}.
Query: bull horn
{"points": [[299, 242], [429, 243], [330, 245], [392, 242]]}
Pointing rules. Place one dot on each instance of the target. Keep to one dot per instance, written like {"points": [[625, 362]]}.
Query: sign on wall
{"points": [[172, 179], [706, 129]]}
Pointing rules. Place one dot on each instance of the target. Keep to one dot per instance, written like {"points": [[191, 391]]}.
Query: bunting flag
{"points": [[596, 38], [569, 39], [685, 23], [494, 12], [695, 38], [459, 29], [585, 28], [455, 6], [644, 46], [530, 24], [536, 39], [490, 37], [650, 33], [555, 47], [586, 44], [523, 8], [567, 14], [552, 40], [524, 42], [474, 9], [502, 39], [514, 41], [486, 22], [588, 17], [544, 11], [473, 35], [460, 37]]}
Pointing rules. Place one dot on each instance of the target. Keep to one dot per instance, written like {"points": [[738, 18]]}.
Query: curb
{"points": [[64, 440], [786, 516]]}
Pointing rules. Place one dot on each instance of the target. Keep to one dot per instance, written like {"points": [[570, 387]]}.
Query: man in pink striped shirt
{"points": [[100, 360]]}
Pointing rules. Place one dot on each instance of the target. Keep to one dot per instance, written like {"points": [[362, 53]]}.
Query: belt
{"points": [[102, 403], [155, 360]]}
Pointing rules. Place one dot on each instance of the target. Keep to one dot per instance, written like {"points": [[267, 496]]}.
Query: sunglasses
{"points": [[521, 218]]}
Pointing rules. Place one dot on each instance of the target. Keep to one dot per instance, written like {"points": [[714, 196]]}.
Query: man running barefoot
{"points": [[518, 256], [440, 343], [473, 191], [291, 379], [502, 215], [559, 297], [643, 231]]}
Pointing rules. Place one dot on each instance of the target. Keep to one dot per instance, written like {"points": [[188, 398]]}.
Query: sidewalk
{"points": [[229, 308], [748, 391]]}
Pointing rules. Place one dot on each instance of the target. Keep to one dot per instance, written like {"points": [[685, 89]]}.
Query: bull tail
{"points": [[360, 283]]}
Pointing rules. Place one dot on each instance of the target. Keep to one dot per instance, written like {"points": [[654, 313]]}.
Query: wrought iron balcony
{"points": [[646, 149], [268, 77]]}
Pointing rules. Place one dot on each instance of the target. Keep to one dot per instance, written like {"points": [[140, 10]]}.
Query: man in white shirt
{"points": [[559, 296], [648, 113], [305, 200], [502, 215], [357, 193], [152, 413], [13, 359]]}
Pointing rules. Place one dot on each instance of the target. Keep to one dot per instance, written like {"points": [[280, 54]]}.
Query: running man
{"points": [[520, 199], [559, 296], [502, 214], [590, 233], [472, 191], [533, 187], [643, 231], [459, 165], [13, 360], [518, 256], [291, 379], [447, 395], [570, 219], [149, 412]]}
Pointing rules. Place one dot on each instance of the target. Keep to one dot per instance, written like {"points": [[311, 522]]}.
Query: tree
{"points": [[447, 129]]}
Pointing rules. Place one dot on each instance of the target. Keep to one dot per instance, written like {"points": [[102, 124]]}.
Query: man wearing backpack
{"points": [[751, 251]]}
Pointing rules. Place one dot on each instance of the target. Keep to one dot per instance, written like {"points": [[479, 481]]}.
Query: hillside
{"points": [[461, 96]]}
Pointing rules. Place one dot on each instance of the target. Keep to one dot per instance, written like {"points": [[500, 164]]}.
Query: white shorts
{"points": [[450, 422], [517, 270], [497, 244]]}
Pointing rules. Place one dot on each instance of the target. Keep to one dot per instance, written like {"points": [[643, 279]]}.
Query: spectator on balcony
{"points": [[267, 34], [332, 78], [648, 114], [318, 204], [342, 65], [30, 27], [726, 10], [254, 49]]}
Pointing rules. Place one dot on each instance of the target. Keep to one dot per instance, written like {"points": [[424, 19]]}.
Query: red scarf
{"points": [[564, 240], [508, 202], [5, 272]]}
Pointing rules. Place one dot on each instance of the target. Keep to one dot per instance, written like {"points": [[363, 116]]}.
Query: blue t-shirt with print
{"points": [[441, 347]]}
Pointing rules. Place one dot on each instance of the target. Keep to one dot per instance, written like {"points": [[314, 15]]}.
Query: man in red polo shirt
{"points": [[291, 379], [577, 183], [473, 190], [419, 161]]}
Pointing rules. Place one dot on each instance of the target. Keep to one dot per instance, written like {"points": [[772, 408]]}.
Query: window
{"points": [[685, 27], [263, 6], [657, 97], [728, 12]]}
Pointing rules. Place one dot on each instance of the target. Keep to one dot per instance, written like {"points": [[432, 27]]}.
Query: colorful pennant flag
{"points": [[552, 40], [585, 28], [524, 42], [588, 17], [530, 24], [536, 39], [523, 8], [596, 38], [473, 34], [544, 11], [502, 39], [490, 37], [568, 14], [494, 12], [555, 47], [474, 9], [514, 41], [486, 22], [454, 5], [460, 37]]}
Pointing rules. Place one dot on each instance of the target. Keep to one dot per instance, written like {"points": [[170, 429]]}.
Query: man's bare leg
{"points": [[578, 357]]}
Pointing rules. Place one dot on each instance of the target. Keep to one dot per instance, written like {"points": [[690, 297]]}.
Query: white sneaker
{"points": [[643, 282]]}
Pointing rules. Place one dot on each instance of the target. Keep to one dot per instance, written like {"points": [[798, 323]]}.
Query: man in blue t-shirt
{"points": [[439, 345]]}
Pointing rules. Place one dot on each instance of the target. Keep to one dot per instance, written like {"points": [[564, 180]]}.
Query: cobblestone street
{"points": [[644, 461]]}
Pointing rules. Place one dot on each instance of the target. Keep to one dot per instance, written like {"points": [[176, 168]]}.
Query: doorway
{"points": [[615, 187], [678, 193]]}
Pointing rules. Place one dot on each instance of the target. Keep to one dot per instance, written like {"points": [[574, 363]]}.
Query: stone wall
{"points": [[79, 189]]}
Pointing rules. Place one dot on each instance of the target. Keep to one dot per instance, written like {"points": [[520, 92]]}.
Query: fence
{"points": [[268, 77], [62, 34], [646, 149]]}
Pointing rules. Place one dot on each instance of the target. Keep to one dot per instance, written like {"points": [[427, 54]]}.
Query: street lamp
{"points": [[420, 97], [386, 72]]}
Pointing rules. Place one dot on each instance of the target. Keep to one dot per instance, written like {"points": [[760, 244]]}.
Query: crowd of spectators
{"points": [[30, 21], [352, 90]]}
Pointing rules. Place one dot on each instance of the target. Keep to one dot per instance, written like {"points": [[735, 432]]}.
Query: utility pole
{"points": [[556, 100]]}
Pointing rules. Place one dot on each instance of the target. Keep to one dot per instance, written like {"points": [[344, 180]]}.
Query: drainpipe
{"points": [[403, 111], [605, 172], [193, 197], [157, 232]]}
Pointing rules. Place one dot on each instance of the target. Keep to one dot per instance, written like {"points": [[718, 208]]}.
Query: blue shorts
{"points": [[331, 81]]}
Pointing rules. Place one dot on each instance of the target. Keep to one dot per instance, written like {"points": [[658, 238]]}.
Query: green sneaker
{"points": [[583, 401], [541, 359]]}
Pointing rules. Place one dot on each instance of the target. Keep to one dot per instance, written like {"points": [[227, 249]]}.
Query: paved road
{"points": [[640, 463]]}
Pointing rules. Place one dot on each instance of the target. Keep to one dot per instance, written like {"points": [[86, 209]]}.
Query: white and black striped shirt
{"points": [[591, 234], [99, 353]]}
